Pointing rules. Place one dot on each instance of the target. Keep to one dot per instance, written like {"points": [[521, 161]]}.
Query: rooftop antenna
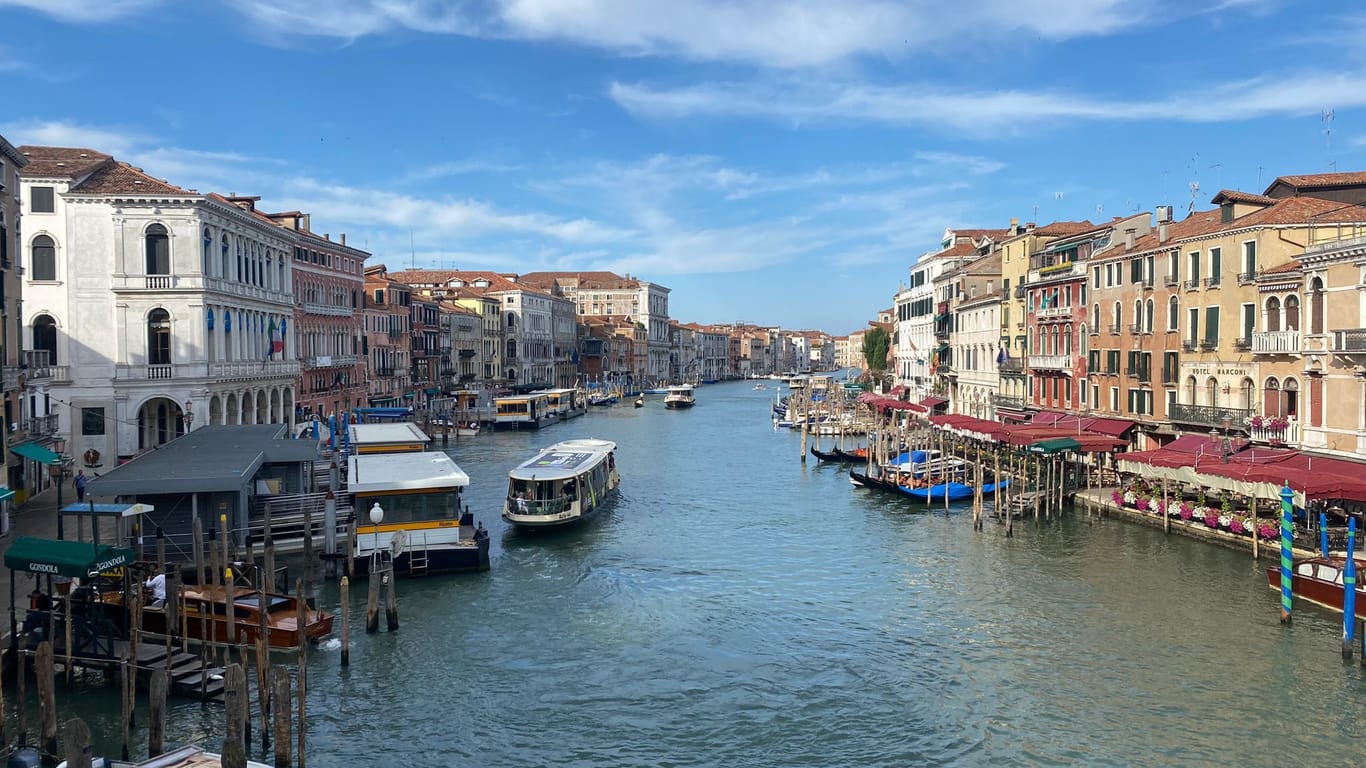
{"points": [[412, 250], [1218, 175], [1328, 136], [1259, 176]]}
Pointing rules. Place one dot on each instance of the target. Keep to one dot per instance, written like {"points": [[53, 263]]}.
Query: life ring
{"points": [[91, 457]]}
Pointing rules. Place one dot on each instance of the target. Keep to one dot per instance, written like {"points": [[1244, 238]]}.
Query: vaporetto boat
{"points": [[563, 484]]}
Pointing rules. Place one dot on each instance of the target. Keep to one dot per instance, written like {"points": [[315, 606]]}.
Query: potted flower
{"points": [[1236, 526], [1187, 511], [1211, 518], [1256, 421], [1117, 497], [1143, 504]]}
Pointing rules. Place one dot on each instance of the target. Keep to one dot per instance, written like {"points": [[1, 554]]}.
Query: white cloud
{"points": [[792, 33], [801, 102], [65, 133], [83, 11]]}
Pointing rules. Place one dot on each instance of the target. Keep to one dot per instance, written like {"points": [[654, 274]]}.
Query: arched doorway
{"points": [[215, 410], [160, 420], [45, 336], [248, 408], [262, 408], [231, 413]]}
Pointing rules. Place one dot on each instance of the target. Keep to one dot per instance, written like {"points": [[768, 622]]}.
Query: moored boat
{"points": [[832, 457], [858, 454], [680, 396], [954, 491], [563, 484], [640, 401], [204, 616], [1320, 581], [190, 756]]}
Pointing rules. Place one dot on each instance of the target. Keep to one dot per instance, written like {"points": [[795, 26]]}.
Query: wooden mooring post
{"points": [[157, 689], [76, 738], [282, 711], [390, 598], [346, 621], [372, 596], [303, 673], [47, 698]]}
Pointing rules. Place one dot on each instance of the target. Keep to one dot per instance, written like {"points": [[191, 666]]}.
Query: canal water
{"points": [[736, 607]]}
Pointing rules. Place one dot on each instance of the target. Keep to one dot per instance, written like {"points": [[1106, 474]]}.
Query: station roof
{"points": [[212, 458], [388, 472]]}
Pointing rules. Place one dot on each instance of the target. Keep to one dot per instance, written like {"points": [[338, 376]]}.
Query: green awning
{"points": [[37, 453], [77, 559], [1056, 445], [408, 395], [6, 494], [432, 390]]}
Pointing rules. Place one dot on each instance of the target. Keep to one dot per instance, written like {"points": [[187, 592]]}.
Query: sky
{"points": [[782, 163]]}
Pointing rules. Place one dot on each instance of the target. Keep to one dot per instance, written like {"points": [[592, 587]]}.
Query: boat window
{"points": [[415, 507], [1305, 569], [1337, 576]]}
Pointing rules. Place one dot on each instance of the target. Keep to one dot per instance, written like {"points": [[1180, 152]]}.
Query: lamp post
{"points": [[376, 517], [1227, 444], [189, 415], [60, 471]]}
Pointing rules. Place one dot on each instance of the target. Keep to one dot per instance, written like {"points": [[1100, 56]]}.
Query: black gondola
{"points": [[858, 478], [823, 456], [852, 458]]}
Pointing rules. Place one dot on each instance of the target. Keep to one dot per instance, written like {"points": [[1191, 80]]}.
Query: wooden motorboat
{"points": [[205, 615], [1319, 580], [182, 757]]}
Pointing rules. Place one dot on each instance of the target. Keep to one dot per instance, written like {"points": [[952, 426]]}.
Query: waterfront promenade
{"points": [[35, 517]]}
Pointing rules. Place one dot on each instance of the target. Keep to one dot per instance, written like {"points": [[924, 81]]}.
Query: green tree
{"points": [[875, 345]]}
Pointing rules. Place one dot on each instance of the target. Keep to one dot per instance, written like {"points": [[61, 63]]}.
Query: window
{"points": [[45, 336], [158, 250], [1173, 269], [1249, 321], [41, 200], [1316, 305], [159, 337], [44, 258], [1273, 314], [1195, 266], [1216, 266], [1095, 277], [1250, 258], [1173, 313], [1136, 271], [1114, 399], [1082, 391], [1212, 392], [92, 422], [1292, 313], [1212, 325], [1193, 325], [1249, 392]]}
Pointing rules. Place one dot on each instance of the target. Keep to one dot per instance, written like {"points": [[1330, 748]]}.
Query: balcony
{"points": [[1136, 373], [1193, 284], [1209, 345], [1243, 344], [1189, 345], [61, 374], [384, 371], [1171, 281], [1350, 341], [1012, 365], [1169, 378], [1287, 435], [1147, 283], [1211, 282], [1276, 343], [1050, 362], [243, 290], [1246, 278], [1054, 312], [1209, 415], [1136, 329], [944, 369], [144, 283], [1005, 401], [11, 378], [41, 426], [332, 310], [37, 364], [328, 361], [1114, 329]]}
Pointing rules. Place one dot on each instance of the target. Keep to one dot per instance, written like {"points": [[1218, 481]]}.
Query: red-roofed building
{"points": [[160, 308]]}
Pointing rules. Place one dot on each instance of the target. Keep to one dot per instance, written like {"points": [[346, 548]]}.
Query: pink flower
{"points": [[1236, 526], [1186, 512], [1142, 504], [1211, 520]]}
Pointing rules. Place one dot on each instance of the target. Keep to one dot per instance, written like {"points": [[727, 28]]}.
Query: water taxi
{"points": [[680, 396], [523, 412], [393, 437], [421, 522], [565, 403], [203, 615], [1320, 580], [563, 484]]}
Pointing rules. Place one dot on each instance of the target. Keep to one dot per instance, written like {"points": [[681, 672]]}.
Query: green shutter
{"points": [[1212, 324]]}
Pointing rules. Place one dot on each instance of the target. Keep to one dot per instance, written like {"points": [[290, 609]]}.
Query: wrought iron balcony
{"points": [[1006, 401], [1210, 415], [1243, 344], [1012, 365], [1136, 373], [1276, 343], [1189, 345], [1351, 341], [1246, 278], [1193, 283], [1147, 283], [1171, 281], [1114, 329], [1209, 345], [1212, 282], [1136, 328], [41, 426]]}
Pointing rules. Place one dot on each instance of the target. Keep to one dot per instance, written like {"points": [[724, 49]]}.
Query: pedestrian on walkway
{"points": [[80, 485]]}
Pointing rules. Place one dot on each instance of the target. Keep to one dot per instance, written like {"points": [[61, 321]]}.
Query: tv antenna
{"points": [[1328, 136]]}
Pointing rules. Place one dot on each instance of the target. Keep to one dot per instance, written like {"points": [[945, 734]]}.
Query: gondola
{"points": [[833, 457], [955, 491], [853, 457], [860, 479]]}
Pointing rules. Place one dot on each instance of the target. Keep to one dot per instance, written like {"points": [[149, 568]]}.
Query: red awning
{"points": [[1046, 417], [898, 389], [1212, 444], [933, 402]]}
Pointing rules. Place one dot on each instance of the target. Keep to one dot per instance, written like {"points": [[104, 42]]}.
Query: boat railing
{"points": [[539, 506]]}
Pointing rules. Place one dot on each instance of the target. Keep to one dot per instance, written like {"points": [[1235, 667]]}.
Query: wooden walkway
{"points": [[189, 674]]}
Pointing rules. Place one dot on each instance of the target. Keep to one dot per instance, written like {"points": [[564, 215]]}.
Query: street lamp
{"points": [[60, 471], [189, 415], [376, 517], [1228, 444]]}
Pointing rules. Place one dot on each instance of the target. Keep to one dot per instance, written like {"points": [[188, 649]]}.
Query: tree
{"points": [[875, 345]]}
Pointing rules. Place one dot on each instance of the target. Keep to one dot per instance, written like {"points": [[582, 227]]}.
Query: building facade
{"points": [[159, 308]]}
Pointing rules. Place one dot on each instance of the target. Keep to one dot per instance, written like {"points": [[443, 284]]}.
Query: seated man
{"points": [[157, 584], [521, 502]]}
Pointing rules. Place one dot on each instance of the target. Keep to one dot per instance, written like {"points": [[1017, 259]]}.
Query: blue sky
{"points": [[774, 162]]}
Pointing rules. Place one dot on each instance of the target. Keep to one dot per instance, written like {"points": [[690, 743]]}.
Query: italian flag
{"points": [[277, 339]]}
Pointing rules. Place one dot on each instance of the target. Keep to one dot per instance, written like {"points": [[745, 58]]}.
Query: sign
{"points": [[324, 361]]}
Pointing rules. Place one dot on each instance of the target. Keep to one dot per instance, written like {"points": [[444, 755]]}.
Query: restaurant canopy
{"points": [[76, 559], [1257, 472]]}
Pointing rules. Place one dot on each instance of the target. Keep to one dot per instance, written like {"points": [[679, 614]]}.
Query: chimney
{"points": [[1164, 214], [1129, 240], [1162, 233], [343, 238], [327, 236], [306, 221], [1014, 226]]}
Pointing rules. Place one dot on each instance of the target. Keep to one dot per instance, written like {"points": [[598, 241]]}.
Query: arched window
{"points": [[1212, 392], [1117, 321], [1273, 314], [1290, 397], [1083, 344], [1095, 316], [208, 250], [1138, 315], [1190, 390], [1316, 305], [1292, 313], [511, 353], [158, 250], [1067, 340], [1173, 314], [1249, 394], [226, 258], [44, 259], [1148, 317], [512, 320], [45, 336], [159, 337], [1271, 397]]}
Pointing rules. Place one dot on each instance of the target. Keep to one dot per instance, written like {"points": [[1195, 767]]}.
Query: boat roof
{"points": [[555, 391], [511, 398], [398, 432], [563, 460], [681, 386], [381, 472]]}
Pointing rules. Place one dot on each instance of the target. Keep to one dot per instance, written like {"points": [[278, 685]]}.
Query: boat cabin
{"points": [[513, 411], [421, 523], [566, 402], [397, 437]]}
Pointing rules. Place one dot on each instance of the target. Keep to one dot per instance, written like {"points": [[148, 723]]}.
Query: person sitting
{"points": [[521, 502], [569, 490], [157, 584]]}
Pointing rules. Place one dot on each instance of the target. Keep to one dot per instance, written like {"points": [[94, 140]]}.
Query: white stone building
{"points": [[161, 308], [607, 294]]}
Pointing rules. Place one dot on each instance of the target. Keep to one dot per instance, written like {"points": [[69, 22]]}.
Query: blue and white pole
{"points": [[1349, 592], [1323, 534]]}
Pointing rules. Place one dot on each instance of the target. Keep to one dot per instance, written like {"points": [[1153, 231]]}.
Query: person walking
{"points": [[80, 485]]}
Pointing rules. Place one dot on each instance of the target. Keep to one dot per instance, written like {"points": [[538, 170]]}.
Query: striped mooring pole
{"points": [[1349, 592], [1287, 552]]}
